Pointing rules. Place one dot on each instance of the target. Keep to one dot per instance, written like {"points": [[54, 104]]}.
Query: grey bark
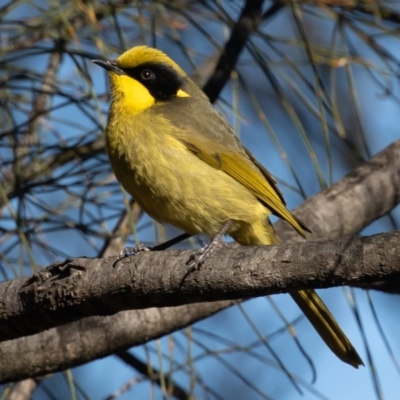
{"points": [[361, 197], [90, 338], [369, 192], [83, 287]]}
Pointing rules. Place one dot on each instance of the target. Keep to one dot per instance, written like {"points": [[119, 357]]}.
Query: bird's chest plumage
{"points": [[149, 166], [172, 184]]}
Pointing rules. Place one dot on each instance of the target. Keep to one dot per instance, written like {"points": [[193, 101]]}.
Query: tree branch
{"points": [[176, 390], [22, 390], [80, 342], [248, 22], [345, 208], [83, 287], [369, 192]]}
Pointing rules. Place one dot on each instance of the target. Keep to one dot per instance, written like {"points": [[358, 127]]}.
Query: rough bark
{"points": [[74, 344], [83, 287], [364, 195], [369, 192]]}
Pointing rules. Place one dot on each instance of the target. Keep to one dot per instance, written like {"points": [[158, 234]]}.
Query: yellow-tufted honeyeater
{"points": [[183, 164]]}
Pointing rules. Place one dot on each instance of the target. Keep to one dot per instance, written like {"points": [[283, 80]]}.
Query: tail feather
{"points": [[327, 327], [311, 305]]}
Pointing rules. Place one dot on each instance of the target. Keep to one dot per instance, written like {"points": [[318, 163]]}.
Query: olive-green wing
{"points": [[209, 136], [243, 167], [271, 180]]}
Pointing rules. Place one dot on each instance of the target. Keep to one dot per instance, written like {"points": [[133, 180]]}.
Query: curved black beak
{"points": [[109, 66]]}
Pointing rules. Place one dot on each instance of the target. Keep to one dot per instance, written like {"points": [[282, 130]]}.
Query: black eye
{"points": [[147, 74]]}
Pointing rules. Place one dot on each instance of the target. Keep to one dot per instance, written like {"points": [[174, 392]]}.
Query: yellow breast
{"points": [[169, 182]]}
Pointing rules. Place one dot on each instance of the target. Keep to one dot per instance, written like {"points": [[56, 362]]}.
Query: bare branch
{"points": [[29, 177], [83, 287], [177, 391], [247, 23], [22, 390], [366, 194], [76, 343]]}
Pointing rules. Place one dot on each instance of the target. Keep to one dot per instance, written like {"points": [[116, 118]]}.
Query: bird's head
{"points": [[142, 77]]}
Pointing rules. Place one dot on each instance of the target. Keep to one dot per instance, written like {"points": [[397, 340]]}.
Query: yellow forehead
{"points": [[143, 55]]}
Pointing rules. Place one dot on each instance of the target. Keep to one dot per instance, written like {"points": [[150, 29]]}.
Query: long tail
{"points": [[308, 301], [327, 327]]}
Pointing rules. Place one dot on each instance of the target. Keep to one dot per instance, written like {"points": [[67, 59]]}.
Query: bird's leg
{"points": [[139, 248], [197, 258]]}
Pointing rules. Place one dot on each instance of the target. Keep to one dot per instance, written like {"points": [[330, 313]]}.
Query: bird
{"points": [[184, 165]]}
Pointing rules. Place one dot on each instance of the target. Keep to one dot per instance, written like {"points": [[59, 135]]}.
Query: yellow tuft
{"points": [[181, 93]]}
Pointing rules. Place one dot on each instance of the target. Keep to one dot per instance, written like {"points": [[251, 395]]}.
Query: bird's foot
{"points": [[198, 257], [132, 251], [139, 248]]}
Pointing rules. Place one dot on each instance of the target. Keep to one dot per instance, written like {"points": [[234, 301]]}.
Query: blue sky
{"points": [[376, 122]]}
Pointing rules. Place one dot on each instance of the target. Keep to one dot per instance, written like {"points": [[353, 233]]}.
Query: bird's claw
{"points": [[132, 251], [197, 258]]}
